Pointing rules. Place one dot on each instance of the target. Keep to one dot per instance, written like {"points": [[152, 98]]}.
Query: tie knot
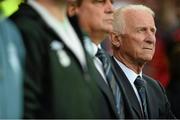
{"points": [[101, 55], [139, 82]]}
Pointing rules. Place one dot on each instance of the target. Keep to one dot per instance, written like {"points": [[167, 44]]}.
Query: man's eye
{"points": [[141, 29], [153, 30], [99, 1], [102, 2]]}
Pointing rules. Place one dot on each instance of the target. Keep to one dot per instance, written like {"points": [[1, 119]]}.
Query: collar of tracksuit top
{"points": [[64, 31]]}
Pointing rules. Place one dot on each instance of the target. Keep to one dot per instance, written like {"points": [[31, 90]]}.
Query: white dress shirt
{"points": [[63, 29], [131, 75], [97, 62]]}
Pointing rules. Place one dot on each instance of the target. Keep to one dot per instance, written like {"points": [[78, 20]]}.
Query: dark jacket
{"points": [[51, 89], [157, 102]]}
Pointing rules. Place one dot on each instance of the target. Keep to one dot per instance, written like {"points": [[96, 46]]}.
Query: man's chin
{"points": [[109, 29], [148, 59]]}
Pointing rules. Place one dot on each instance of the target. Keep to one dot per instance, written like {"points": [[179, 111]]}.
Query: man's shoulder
{"points": [[9, 30], [149, 79], [29, 22], [152, 83], [25, 14]]}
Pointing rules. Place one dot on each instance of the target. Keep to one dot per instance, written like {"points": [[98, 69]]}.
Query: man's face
{"points": [[138, 42], [96, 15]]}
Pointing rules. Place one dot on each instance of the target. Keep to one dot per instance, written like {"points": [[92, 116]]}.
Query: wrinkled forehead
{"points": [[138, 14], [80, 1]]}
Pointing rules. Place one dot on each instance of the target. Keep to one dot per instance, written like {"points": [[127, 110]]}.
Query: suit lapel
{"points": [[107, 91], [100, 82], [129, 97], [152, 111]]}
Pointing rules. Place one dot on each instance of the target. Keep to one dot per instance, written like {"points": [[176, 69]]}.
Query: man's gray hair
{"points": [[119, 22]]}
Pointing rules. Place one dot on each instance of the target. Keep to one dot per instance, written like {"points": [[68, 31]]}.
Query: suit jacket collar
{"points": [[130, 98], [131, 102], [107, 92], [63, 29], [152, 112], [26, 10]]}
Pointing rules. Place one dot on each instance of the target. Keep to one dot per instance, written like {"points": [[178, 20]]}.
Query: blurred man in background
{"points": [[95, 17], [60, 78], [11, 70]]}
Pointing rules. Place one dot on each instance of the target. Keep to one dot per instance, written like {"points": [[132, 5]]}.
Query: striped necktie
{"points": [[110, 78], [140, 86]]}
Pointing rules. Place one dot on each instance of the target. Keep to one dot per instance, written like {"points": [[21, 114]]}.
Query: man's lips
{"points": [[110, 20], [146, 48]]}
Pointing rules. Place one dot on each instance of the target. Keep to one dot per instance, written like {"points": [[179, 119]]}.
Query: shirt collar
{"points": [[130, 74], [95, 48], [71, 40]]}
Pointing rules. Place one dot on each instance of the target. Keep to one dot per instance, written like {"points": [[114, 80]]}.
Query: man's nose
{"points": [[150, 38], [109, 7]]}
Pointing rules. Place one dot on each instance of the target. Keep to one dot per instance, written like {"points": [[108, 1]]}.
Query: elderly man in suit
{"points": [[60, 78], [133, 41]]}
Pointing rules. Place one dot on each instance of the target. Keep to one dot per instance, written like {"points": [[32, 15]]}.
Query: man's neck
{"points": [[97, 38], [134, 66], [57, 10]]}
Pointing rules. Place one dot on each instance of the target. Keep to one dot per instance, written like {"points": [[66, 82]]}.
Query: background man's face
{"points": [[96, 15]]}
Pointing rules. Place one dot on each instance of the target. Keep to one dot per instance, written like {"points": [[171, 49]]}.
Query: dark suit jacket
{"points": [[157, 102], [51, 89]]}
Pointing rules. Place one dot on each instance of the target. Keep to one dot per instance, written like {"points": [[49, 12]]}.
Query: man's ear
{"points": [[71, 8], [115, 39]]}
